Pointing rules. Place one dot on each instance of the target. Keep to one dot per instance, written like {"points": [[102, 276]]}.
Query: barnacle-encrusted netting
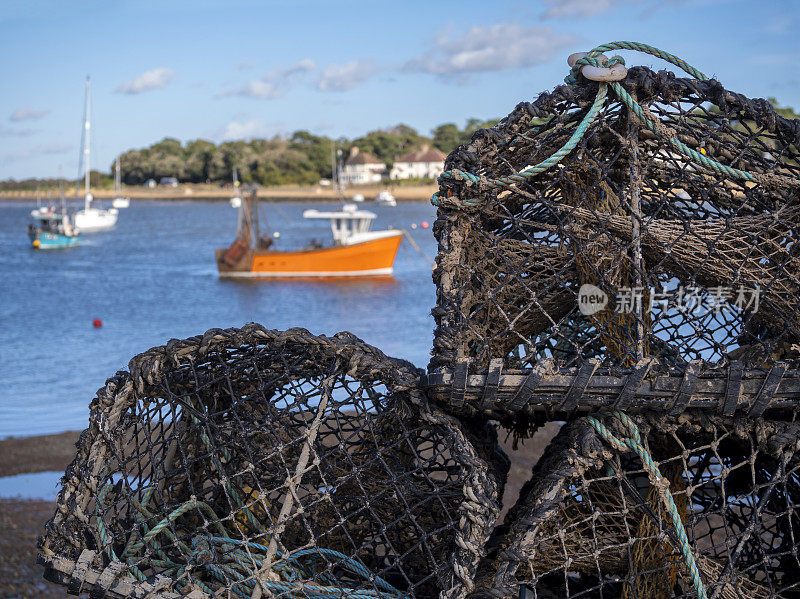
{"points": [[251, 462], [693, 263], [591, 522]]}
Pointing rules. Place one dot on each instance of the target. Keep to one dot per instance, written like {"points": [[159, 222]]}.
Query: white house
{"points": [[361, 167], [427, 163]]}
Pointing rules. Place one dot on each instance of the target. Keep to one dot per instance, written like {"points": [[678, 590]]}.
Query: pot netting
{"points": [[694, 263], [249, 462], [592, 522]]}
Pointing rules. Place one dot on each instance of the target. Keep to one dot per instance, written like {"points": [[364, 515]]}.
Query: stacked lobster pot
{"points": [[623, 255], [619, 256], [257, 463]]}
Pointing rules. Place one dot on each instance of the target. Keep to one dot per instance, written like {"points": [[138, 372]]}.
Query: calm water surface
{"points": [[153, 278]]}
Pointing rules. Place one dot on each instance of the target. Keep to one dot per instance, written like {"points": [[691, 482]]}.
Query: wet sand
{"points": [[22, 520], [37, 454], [21, 523]]}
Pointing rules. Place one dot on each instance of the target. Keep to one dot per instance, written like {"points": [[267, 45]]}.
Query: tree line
{"points": [[301, 158]]}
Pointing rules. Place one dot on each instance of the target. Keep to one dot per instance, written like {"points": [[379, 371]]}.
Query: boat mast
{"points": [[61, 191], [117, 180], [88, 144]]}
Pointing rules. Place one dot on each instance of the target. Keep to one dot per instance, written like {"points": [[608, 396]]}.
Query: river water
{"points": [[154, 278]]}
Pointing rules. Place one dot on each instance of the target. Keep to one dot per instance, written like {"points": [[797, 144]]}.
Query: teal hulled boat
{"points": [[52, 230]]}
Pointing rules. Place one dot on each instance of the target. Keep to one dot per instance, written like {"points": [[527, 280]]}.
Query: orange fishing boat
{"points": [[356, 251]]}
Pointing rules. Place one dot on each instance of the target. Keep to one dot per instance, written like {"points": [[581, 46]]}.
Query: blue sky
{"points": [[237, 69]]}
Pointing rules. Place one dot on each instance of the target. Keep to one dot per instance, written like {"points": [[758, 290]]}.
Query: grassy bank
{"points": [[403, 193]]}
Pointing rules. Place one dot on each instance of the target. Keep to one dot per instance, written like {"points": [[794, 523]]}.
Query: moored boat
{"points": [[91, 219], [52, 228], [52, 231], [119, 200], [385, 198], [356, 250]]}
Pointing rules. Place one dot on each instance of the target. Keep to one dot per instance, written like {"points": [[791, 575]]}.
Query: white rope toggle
{"points": [[604, 74]]}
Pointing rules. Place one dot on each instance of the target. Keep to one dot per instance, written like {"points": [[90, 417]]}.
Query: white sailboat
{"points": [[119, 201], [91, 219], [385, 198]]}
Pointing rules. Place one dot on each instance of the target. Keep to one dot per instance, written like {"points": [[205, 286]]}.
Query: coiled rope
{"points": [[593, 58], [633, 442], [236, 568]]}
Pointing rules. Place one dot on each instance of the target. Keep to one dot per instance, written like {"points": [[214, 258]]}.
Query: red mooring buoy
{"points": [[424, 224], [97, 323]]}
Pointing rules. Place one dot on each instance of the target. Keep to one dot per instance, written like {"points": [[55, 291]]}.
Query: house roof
{"points": [[424, 155], [357, 157]]}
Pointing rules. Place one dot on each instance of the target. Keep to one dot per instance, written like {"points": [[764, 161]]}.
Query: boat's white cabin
{"points": [[348, 225]]}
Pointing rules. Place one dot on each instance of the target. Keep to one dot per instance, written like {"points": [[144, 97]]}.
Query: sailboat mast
{"points": [[87, 147]]}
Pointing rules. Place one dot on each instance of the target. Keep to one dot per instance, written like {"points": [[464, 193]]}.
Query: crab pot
{"points": [[626, 250], [250, 462], [592, 523]]}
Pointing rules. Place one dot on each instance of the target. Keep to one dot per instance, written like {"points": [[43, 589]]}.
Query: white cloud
{"points": [[149, 80], [578, 9], [257, 89], [274, 84], [247, 130], [27, 113], [342, 77], [6, 132], [491, 48], [304, 66]]}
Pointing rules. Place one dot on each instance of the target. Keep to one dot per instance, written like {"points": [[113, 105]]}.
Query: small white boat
{"points": [[91, 219], [119, 201], [42, 211], [358, 198], [385, 198]]}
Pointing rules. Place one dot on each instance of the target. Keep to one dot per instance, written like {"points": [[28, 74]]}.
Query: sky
{"points": [[238, 69]]}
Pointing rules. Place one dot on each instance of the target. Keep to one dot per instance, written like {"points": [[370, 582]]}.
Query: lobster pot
{"points": [[593, 521], [627, 249], [254, 463]]}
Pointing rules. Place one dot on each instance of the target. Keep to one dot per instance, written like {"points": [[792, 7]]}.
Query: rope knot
{"points": [[595, 66]]}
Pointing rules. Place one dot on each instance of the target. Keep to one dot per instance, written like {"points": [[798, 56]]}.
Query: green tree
{"points": [[786, 112], [389, 144], [446, 137]]}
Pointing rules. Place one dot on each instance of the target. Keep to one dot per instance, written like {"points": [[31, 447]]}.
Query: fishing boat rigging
{"points": [[52, 228]]}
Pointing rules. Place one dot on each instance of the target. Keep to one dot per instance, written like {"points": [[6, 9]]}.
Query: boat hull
{"points": [[369, 258], [93, 219], [53, 241]]}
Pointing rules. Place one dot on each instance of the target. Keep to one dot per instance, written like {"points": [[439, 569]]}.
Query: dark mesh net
{"points": [[592, 523], [254, 462], [693, 263]]}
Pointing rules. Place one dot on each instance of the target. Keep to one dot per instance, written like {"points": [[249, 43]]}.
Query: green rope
{"points": [[634, 443], [574, 77], [238, 567]]}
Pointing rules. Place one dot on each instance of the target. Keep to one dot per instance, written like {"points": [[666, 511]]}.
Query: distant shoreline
{"points": [[213, 193]]}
